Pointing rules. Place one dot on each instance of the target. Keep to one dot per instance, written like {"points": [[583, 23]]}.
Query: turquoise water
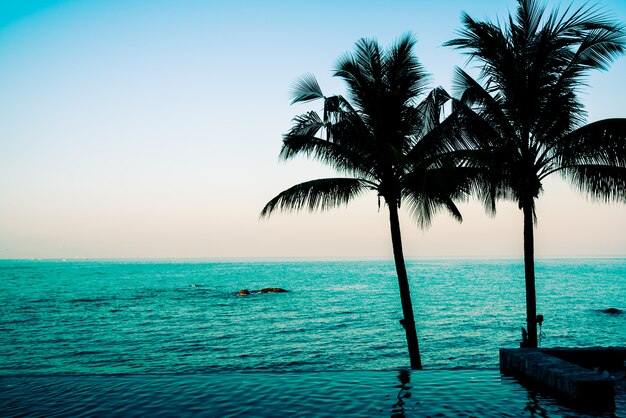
{"points": [[90, 318], [173, 317]]}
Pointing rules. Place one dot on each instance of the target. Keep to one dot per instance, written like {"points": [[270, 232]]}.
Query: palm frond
{"points": [[306, 127], [601, 47], [601, 182], [602, 142], [360, 70], [403, 72], [429, 111], [344, 160], [306, 89], [528, 18], [489, 108], [430, 189], [485, 42], [424, 208], [321, 194], [337, 141], [444, 139]]}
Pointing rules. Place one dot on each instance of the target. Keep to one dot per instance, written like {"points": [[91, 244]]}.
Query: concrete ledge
{"points": [[583, 386], [603, 358]]}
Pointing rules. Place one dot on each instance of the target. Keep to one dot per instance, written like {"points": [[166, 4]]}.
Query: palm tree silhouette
{"points": [[526, 114], [380, 140]]}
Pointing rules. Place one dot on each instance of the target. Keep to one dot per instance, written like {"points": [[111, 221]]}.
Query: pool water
{"points": [[435, 393]]}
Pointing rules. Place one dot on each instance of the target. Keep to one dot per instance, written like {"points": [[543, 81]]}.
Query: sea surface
{"points": [[83, 322]]}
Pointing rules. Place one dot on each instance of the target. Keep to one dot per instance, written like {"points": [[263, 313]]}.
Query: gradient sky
{"points": [[151, 129]]}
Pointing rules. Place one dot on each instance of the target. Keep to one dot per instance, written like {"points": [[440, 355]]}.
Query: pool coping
{"points": [[582, 375]]}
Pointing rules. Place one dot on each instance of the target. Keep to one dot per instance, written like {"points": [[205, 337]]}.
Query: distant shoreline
{"points": [[303, 259]]}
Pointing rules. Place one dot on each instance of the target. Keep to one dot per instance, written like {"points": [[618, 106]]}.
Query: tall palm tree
{"points": [[524, 110], [380, 139]]}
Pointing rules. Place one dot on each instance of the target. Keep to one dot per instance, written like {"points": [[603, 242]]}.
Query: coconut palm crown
{"points": [[378, 139], [524, 111]]}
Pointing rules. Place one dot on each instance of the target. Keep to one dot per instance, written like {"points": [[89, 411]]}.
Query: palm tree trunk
{"points": [[405, 295], [529, 274]]}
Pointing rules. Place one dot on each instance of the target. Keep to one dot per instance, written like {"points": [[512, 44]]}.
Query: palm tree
{"points": [[378, 140], [525, 113]]}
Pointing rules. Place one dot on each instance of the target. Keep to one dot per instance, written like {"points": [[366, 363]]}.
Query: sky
{"points": [[151, 129]]}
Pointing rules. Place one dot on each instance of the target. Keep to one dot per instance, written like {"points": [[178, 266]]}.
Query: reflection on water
{"points": [[443, 393], [398, 410], [533, 406]]}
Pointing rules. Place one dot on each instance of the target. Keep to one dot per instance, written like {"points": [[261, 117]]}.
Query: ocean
{"points": [[88, 321]]}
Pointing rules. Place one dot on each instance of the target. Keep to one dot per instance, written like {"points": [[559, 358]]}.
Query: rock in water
{"points": [[246, 292], [612, 311], [273, 290]]}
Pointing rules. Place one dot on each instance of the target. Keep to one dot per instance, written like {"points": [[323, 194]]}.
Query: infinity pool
{"points": [[440, 393]]}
